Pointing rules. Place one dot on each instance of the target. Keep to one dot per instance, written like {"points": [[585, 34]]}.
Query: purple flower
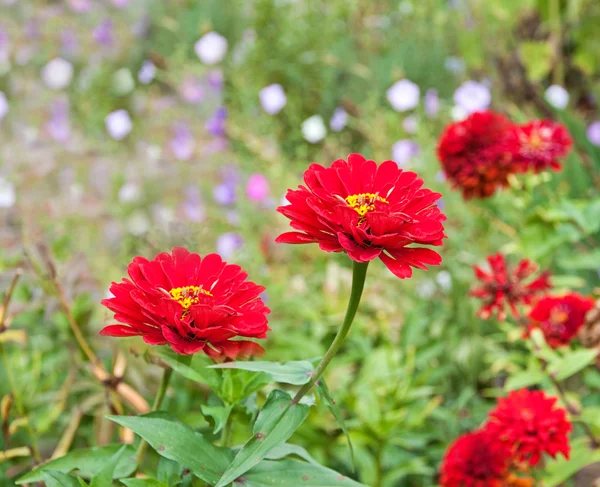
{"points": [[403, 95], [182, 144], [272, 98], [472, 96], [215, 125], [404, 150], [410, 124], [224, 194], [257, 188], [59, 125], [141, 26], [593, 132], [215, 79], [69, 43], [191, 90], [339, 119], [31, 28], [228, 244], [3, 105], [440, 177], [120, 3], [147, 72], [5, 44], [103, 33], [432, 102], [118, 124], [80, 6], [192, 207]]}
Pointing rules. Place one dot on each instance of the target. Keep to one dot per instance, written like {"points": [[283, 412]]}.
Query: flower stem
{"points": [[359, 272], [158, 399]]}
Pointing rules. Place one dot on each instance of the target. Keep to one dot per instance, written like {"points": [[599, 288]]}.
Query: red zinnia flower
{"points": [[504, 286], [560, 317], [189, 302], [540, 143], [476, 155], [367, 211], [475, 460], [530, 424]]}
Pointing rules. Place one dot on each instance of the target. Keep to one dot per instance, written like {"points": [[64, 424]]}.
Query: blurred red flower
{"points": [[560, 317], [476, 154], [367, 211], [540, 143], [503, 286], [191, 303], [475, 460], [530, 424]]}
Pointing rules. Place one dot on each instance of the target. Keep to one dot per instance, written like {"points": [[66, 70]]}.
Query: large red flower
{"points": [[367, 211], [475, 460], [476, 154], [540, 143], [503, 286], [530, 424], [189, 302], [560, 317]]}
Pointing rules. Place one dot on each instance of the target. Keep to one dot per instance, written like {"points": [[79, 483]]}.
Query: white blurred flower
{"points": [[3, 105], [8, 195], [272, 98], [138, 223], [557, 96], [57, 74], [444, 279], [129, 192], [118, 124], [458, 113], [593, 132], [314, 129], [410, 124], [403, 95], [426, 289], [404, 150], [211, 48], [147, 72], [472, 96], [338, 120]]}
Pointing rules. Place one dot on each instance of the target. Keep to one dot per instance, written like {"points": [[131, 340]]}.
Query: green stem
{"points": [[158, 399], [227, 432], [359, 272]]}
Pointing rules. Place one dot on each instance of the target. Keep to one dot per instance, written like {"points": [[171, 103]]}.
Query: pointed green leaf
{"points": [[219, 414], [54, 478], [193, 367], [276, 422], [88, 462], [104, 478], [143, 483], [296, 373], [176, 441], [82, 483], [560, 470], [287, 449], [293, 473], [572, 363]]}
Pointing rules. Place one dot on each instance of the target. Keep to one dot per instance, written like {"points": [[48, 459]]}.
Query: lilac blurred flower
{"points": [[593, 132], [557, 96], [257, 187], [339, 119], [120, 3], [182, 144], [147, 72], [80, 6], [272, 98], [455, 65], [103, 33], [228, 244], [215, 79], [233, 218], [404, 150], [3, 105], [118, 124], [5, 44], [403, 95], [59, 125], [211, 48], [57, 74], [141, 26], [314, 129], [191, 90], [440, 177], [31, 29], [224, 194], [129, 192], [410, 124], [432, 102], [8, 195], [69, 43], [215, 125], [472, 96], [193, 207]]}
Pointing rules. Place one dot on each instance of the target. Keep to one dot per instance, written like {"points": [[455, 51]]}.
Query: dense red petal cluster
{"points": [[191, 303], [368, 211], [540, 143], [478, 154], [530, 424], [475, 460], [560, 317], [503, 286]]}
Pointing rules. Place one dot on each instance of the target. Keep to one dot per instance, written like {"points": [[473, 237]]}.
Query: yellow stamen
{"points": [[188, 295], [364, 202]]}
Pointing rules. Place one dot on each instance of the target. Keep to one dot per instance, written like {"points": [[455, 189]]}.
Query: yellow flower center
{"points": [[188, 295], [364, 202]]}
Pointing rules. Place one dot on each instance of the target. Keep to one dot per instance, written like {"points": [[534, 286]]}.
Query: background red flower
{"points": [[475, 460], [503, 286], [560, 317], [189, 302], [530, 424], [367, 211], [540, 143]]}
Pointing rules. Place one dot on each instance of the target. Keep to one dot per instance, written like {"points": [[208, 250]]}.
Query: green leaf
{"points": [[296, 373], [293, 473], [82, 483], [287, 449], [561, 469], [175, 441], [143, 483], [104, 478], [193, 367], [220, 414], [335, 410], [536, 57], [581, 261], [54, 478], [88, 462], [168, 472], [526, 378], [572, 363], [276, 422]]}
